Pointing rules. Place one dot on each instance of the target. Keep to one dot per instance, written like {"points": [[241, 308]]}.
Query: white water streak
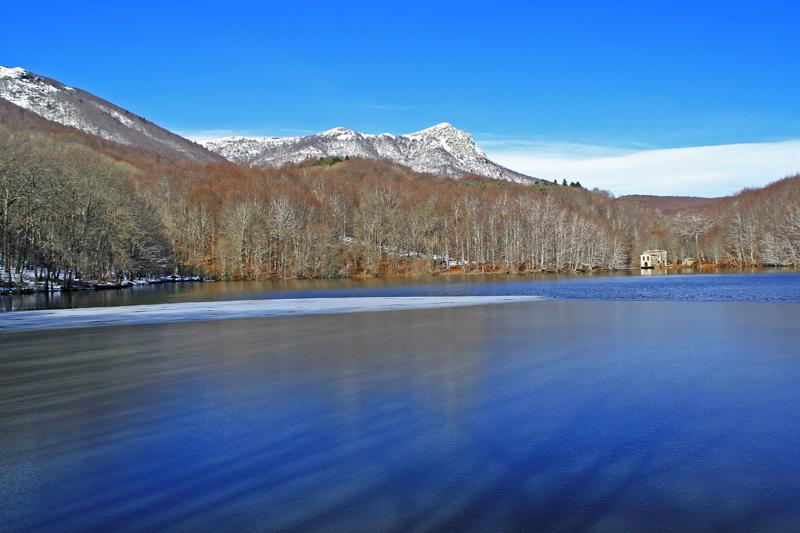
{"points": [[193, 311]]}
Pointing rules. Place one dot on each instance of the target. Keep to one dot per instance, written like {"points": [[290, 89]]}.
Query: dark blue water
{"points": [[542, 416], [759, 285], [773, 287]]}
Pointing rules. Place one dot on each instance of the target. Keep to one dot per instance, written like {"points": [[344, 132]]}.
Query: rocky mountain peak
{"points": [[440, 149], [16, 73], [342, 134], [457, 142], [441, 129]]}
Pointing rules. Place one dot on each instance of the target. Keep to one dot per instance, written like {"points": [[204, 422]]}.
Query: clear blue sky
{"points": [[618, 75]]}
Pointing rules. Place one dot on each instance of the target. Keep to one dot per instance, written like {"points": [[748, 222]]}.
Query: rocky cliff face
{"points": [[69, 106], [441, 150]]}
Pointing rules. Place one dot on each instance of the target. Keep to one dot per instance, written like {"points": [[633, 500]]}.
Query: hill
{"points": [[669, 205], [69, 106]]}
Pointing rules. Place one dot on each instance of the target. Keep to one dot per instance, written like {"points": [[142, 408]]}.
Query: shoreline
{"points": [[51, 287], [40, 287]]}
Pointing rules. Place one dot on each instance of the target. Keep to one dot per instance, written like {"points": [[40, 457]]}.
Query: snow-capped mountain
{"points": [[77, 108], [441, 150]]}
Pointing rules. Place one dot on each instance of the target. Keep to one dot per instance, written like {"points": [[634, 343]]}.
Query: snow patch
{"points": [[16, 73], [340, 134]]}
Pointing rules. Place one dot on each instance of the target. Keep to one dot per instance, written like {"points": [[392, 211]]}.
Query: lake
{"points": [[581, 412], [770, 284]]}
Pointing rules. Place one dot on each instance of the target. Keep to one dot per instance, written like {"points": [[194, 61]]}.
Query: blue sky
{"points": [[564, 82]]}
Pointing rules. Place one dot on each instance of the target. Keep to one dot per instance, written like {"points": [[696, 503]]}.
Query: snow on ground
{"points": [[28, 282], [193, 311]]}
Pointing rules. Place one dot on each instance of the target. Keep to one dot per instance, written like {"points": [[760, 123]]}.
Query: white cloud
{"points": [[701, 171]]}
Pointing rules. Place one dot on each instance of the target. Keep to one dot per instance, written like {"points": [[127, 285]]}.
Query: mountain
{"points": [[73, 107], [441, 150]]}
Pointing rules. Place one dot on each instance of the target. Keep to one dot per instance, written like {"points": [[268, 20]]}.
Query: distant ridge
{"points": [[441, 149], [76, 108], [668, 205]]}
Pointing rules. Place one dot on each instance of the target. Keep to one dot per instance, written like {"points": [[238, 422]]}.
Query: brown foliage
{"points": [[364, 217], [370, 218]]}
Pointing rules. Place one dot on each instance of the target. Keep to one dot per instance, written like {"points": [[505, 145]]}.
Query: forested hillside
{"points": [[365, 217], [73, 206], [70, 211], [755, 227], [669, 205]]}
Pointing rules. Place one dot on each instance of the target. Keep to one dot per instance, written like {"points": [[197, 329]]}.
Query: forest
{"points": [[73, 207]]}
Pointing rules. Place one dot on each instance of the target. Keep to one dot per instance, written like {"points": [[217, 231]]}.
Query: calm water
{"points": [[559, 415], [763, 285]]}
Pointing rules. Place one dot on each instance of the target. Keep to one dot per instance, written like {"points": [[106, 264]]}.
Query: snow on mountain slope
{"points": [[441, 149], [77, 108]]}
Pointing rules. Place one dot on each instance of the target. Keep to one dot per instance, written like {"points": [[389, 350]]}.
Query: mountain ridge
{"points": [[441, 149]]}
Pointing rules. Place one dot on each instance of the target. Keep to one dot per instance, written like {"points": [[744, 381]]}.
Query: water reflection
{"points": [[551, 416], [721, 284]]}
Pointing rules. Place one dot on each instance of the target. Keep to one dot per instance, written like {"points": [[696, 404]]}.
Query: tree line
{"points": [[72, 209], [364, 217], [758, 226], [68, 211]]}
